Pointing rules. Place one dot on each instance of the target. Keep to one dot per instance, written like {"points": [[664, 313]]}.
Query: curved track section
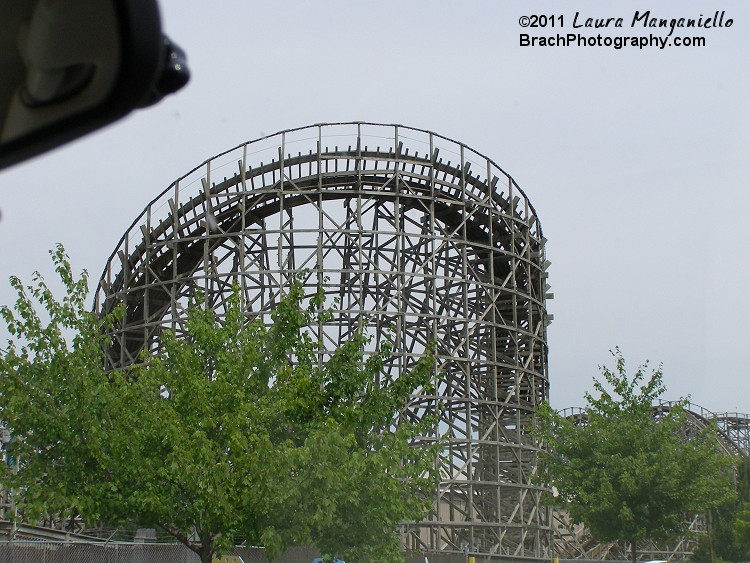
{"points": [[732, 429], [419, 239]]}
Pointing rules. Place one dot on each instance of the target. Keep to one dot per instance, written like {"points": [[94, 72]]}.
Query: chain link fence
{"points": [[47, 552]]}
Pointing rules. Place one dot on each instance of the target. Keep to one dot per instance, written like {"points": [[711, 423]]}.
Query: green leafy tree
{"points": [[625, 473], [234, 430], [728, 537], [741, 528]]}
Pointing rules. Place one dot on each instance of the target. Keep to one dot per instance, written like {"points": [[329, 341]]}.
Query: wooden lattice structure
{"points": [[421, 239]]}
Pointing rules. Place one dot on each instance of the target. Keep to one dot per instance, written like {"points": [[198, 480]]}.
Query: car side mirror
{"points": [[69, 67]]}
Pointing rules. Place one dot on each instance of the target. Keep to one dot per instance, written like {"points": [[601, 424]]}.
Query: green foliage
{"points": [[626, 474], [55, 395], [741, 527], [233, 430], [729, 524], [736, 517]]}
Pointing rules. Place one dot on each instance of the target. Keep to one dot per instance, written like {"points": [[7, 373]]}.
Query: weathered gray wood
{"points": [[414, 247]]}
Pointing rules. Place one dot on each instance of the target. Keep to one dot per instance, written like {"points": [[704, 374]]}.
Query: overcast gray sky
{"points": [[635, 160]]}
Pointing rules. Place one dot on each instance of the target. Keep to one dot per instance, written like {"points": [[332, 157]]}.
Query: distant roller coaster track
{"points": [[732, 428]]}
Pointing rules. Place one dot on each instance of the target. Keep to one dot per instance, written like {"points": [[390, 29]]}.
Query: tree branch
{"points": [[175, 532]]}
